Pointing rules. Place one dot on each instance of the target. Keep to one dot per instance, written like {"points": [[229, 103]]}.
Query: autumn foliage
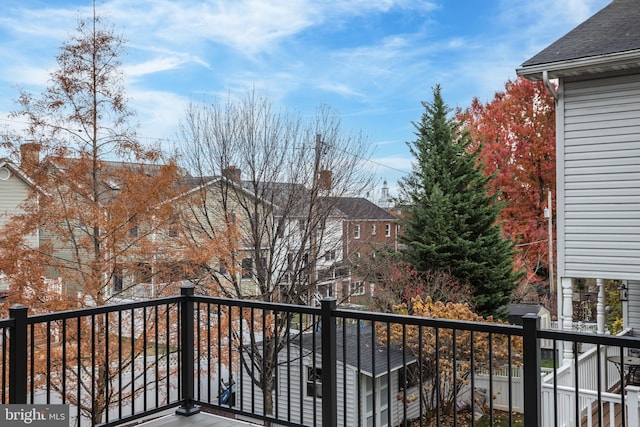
{"points": [[447, 357], [398, 282], [515, 133]]}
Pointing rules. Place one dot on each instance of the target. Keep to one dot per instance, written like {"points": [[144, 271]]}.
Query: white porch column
{"points": [[567, 317], [600, 306], [633, 403]]}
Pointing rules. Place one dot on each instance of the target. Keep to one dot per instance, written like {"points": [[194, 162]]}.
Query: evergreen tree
{"points": [[452, 222]]}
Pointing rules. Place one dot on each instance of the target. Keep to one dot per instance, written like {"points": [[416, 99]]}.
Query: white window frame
{"points": [[357, 288], [356, 231], [387, 230], [314, 382]]}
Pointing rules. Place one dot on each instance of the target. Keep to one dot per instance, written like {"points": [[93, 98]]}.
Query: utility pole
{"points": [[548, 213], [315, 191]]}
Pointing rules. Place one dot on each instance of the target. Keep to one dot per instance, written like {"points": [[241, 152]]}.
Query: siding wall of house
{"points": [[599, 146], [632, 317], [289, 399], [397, 404], [13, 191]]}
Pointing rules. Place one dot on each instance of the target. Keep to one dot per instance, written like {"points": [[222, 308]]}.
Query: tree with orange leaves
{"points": [[515, 133], [99, 224], [448, 357]]}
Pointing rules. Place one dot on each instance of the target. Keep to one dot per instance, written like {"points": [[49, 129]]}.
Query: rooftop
{"points": [[611, 36]]}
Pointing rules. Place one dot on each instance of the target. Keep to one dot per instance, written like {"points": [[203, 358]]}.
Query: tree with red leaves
{"points": [[516, 136]]}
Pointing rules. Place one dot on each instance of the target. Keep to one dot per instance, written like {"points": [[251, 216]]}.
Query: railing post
{"points": [[187, 343], [18, 354], [329, 385], [632, 402], [531, 370]]}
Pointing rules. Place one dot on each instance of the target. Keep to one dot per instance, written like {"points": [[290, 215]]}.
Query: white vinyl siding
{"points": [[633, 314], [13, 192], [600, 230], [292, 390]]}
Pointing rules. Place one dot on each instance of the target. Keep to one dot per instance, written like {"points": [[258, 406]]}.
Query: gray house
{"points": [[371, 387], [14, 187], [597, 67]]}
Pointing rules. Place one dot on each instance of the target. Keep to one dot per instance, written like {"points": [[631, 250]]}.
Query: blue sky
{"points": [[372, 61]]}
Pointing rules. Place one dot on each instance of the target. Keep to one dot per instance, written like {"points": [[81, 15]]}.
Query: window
{"points": [[314, 381], [247, 268], [173, 227], [356, 231], [356, 288], [373, 229], [133, 231], [117, 278], [378, 401], [143, 273], [169, 272], [387, 230], [255, 221], [330, 255], [408, 377]]}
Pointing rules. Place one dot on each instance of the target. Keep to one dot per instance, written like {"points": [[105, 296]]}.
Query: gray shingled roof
{"points": [[360, 208], [363, 356], [613, 30]]}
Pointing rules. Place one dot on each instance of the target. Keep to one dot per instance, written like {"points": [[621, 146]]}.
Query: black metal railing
{"points": [[299, 365]]}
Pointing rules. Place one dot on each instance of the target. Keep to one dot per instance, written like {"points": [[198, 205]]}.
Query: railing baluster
{"points": [[437, 341], [454, 376], [156, 336], [78, 365], [93, 366], [32, 357], [144, 358], [4, 381], [133, 361]]}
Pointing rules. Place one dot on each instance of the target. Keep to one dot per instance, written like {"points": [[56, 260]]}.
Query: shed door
{"points": [[376, 406]]}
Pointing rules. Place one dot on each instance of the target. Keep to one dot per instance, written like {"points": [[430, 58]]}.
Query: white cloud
{"points": [[153, 66], [340, 89], [250, 26], [26, 75], [158, 112]]}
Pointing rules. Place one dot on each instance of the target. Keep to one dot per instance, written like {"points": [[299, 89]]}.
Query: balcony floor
{"points": [[198, 420]]}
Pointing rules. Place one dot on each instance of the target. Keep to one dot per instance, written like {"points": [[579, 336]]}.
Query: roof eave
{"points": [[619, 61]]}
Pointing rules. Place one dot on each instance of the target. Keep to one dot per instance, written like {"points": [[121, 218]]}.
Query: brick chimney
{"points": [[324, 179], [232, 173], [29, 155]]}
